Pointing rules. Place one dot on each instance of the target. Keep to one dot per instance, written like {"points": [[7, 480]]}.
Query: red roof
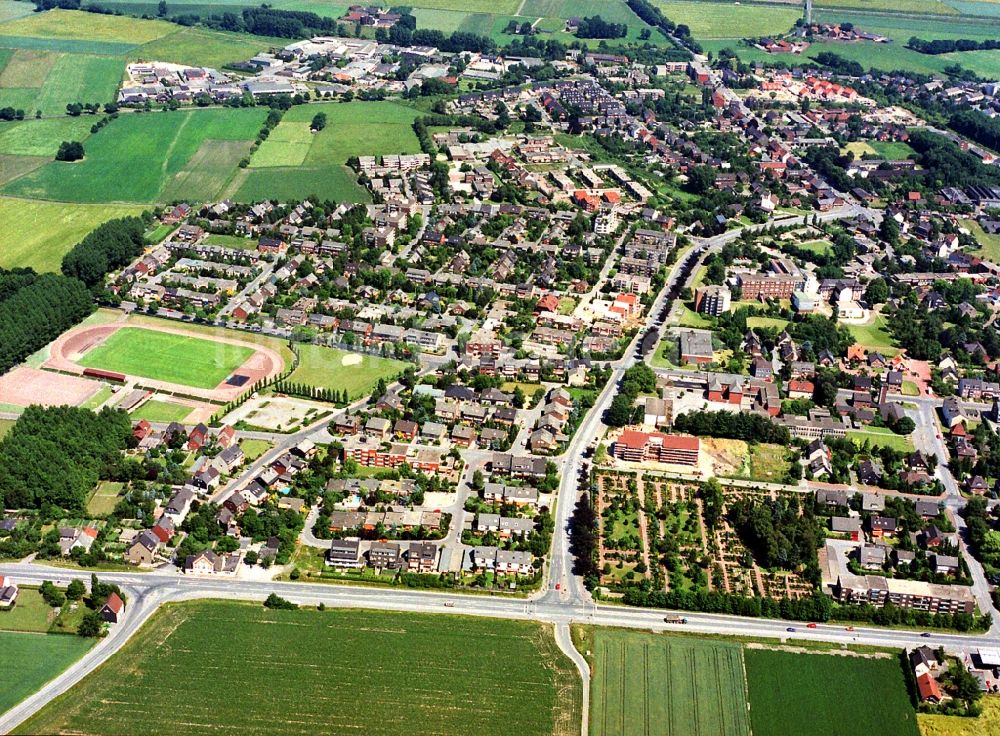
{"points": [[114, 603], [633, 438], [805, 387], [928, 687]]}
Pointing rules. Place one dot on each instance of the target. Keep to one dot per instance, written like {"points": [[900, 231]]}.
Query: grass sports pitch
{"points": [[166, 356], [305, 671], [336, 369], [651, 685]]}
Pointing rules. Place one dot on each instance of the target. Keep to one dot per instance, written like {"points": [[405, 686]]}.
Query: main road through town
{"points": [[562, 601]]}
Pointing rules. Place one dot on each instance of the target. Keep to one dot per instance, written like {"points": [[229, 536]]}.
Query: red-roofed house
{"points": [[113, 609], [930, 691], [800, 389]]}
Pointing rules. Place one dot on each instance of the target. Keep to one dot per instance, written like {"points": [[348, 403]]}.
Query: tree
{"points": [[161, 8], [318, 122], [277, 602], [888, 230], [69, 151], [75, 590], [92, 625], [877, 291]]}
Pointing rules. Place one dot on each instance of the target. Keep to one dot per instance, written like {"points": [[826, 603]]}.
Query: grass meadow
{"points": [[39, 234], [324, 367], [42, 137], [729, 20], [136, 157], [28, 661], [155, 410], [816, 694], [652, 685], [305, 671], [165, 356]]}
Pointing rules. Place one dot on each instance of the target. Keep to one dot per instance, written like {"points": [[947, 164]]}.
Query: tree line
{"points": [[35, 310], [732, 425], [54, 456], [949, 45], [107, 248]]}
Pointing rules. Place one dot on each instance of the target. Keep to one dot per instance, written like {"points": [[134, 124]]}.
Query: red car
{"points": [[810, 626]]}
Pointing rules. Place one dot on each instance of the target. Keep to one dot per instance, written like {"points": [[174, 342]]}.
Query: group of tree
{"points": [[35, 310], [950, 45], [583, 542], [977, 126], [597, 27], [332, 395], [54, 456], [652, 15], [69, 151], [638, 379], [732, 425], [107, 248], [779, 534], [11, 113], [949, 165]]}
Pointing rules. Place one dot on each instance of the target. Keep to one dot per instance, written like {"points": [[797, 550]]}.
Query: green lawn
{"points": [[161, 411], [338, 183], [31, 613], [253, 449], [79, 78], [324, 367], [652, 685], [104, 498], [165, 356], [817, 694], [820, 247], [137, 157], [873, 336], [882, 437], [81, 26], [28, 661], [894, 150], [103, 394], [5, 426], [767, 322], [39, 234], [989, 245], [340, 672], [231, 241]]}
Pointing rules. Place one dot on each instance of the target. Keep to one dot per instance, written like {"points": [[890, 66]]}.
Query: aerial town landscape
{"points": [[500, 367]]}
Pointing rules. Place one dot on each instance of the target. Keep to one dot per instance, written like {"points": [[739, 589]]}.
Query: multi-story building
{"points": [[658, 447], [712, 300], [877, 591]]}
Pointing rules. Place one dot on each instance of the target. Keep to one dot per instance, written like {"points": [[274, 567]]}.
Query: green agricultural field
{"points": [[338, 183], [104, 498], [324, 367], [39, 234], [729, 20], [80, 78], [161, 411], [28, 661], [648, 685], [42, 137], [342, 671], [807, 694], [203, 47], [287, 145], [10, 9], [27, 68], [207, 173], [165, 356], [12, 167], [357, 129], [470, 6], [895, 6], [80, 26], [134, 158]]}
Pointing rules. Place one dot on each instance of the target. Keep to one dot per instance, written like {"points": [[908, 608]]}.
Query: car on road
{"points": [[790, 628], [849, 628], [810, 626], [449, 604], [926, 635]]}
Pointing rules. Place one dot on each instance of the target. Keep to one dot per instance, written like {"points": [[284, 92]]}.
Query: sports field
{"points": [[817, 694], [155, 410], [166, 356], [305, 671], [324, 367], [28, 661], [136, 158], [38, 234], [648, 685]]}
